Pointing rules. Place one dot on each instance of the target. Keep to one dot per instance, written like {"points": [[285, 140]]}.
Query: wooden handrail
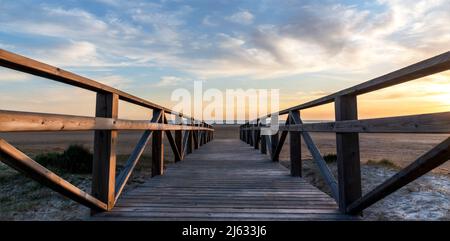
{"points": [[16, 121], [437, 123], [347, 126], [105, 124]]}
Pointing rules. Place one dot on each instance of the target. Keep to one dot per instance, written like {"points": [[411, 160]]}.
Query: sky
{"points": [[306, 49]]}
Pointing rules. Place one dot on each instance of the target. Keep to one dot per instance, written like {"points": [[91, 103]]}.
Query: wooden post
{"points": [[179, 141], [263, 144], [347, 145], [200, 136], [295, 146], [189, 142], [274, 141], [158, 150], [104, 158], [252, 136], [196, 139], [256, 136]]}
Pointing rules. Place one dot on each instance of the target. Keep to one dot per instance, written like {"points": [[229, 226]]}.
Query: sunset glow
{"points": [[151, 49]]}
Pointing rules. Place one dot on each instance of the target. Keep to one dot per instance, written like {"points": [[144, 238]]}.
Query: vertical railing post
{"points": [[240, 133], [179, 139], [274, 141], [295, 146], [256, 135], [204, 135], [263, 138], [189, 141], [196, 139], [263, 144], [247, 134], [158, 149], [104, 158], [348, 159], [200, 133], [252, 135]]}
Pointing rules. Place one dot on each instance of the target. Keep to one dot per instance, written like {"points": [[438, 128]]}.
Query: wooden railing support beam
{"points": [[104, 163], [295, 146], [348, 159], [158, 150]]}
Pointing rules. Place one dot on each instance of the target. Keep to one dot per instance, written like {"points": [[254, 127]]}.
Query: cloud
{"points": [[13, 76], [116, 81], [335, 38], [169, 81], [294, 38], [72, 54], [208, 22], [241, 17]]}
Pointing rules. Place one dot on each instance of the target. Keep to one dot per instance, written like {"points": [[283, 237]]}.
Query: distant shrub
{"points": [[75, 159], [383, 162], [330, 158]]}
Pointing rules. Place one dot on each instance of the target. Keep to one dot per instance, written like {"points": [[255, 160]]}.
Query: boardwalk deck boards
{"points": [[225, 180]]}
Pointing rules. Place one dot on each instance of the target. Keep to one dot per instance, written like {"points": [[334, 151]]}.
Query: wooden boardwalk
{"points": [[225, 180]]}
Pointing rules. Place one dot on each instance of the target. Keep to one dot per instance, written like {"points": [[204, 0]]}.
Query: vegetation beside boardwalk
{"points": [[22, 198], [75, 159]]}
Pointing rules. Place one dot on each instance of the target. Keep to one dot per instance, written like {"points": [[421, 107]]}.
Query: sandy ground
{"points": [[424, 199]]}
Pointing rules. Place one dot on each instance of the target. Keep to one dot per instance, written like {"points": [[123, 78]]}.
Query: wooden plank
{"points": [[13, 121], [263, 144], [425, 163], [24, 164], [295, 150], [173, 145], [279, 144], [347, 149], [158, 150], [225, 180], [104, 163], [128, 168], [180, 145], [185, 143], [274, 139], [257, 139], [438, 123], [279, 147], [269, 144], [195, 137], [321, 164], [190, 140]]}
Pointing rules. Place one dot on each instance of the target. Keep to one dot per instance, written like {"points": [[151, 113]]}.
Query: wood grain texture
{"points": [[438, 123], [347, 150], [425, 163], [128, 168], [158, 150], [16, 121], [22, 163], [295, 150], [104, 156], [225, 180]]}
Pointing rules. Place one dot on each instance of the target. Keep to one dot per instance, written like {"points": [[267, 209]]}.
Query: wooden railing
{"points": [[346, 190], [188, 135]]}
